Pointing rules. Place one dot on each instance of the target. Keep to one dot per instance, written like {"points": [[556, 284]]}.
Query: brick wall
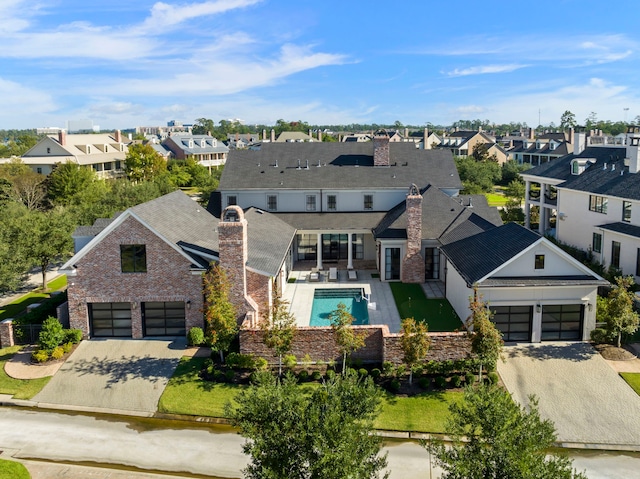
{"points": [[380, 345], [6, 333], [232, 238], [99, 278], [381, 150], [413, 262], [259, 288]]}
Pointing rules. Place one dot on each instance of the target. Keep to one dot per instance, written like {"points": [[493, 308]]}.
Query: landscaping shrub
{"points": [[260, 364], [290, 361], [375, 373], [316, 376], [45, 310], [195, 337], [493, 377], [67, 347], [57, 353], [400, 370], [306, 359], [418, 369], [229, 375], [363, 372], [356, 363], [51, 335], [387, 368], [601, 336], [394, 385], [303, 376], [456, 381], [440, 382], [73, 336], [469, 379], [424, 382], [207, 363], [240, 361], [330, 374], [40, 356]]}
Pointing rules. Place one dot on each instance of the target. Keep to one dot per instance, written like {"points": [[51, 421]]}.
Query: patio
{"points": [[300, 294]]}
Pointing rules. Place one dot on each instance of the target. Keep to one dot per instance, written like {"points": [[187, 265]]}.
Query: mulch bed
{"points": [[614, 353]]}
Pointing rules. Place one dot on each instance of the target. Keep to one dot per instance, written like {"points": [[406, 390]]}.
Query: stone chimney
{"points": [[232, 240], [381, 148], [118, 136], [579, 141], [62, 137], [310, 134], [264, 135], [273, 135], [633, 148], [413, 262], [425, 139], [319, 134], [406, 133]]}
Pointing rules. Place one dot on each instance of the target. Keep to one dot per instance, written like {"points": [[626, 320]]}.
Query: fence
{"points": [[26, 333]]}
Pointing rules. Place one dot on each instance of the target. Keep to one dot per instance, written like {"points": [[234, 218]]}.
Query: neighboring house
{"points": [[103, 152], [205, 149], [462, 143], [595, 195], [381, 206], [544, 148], [295, 137], [243, 140]]}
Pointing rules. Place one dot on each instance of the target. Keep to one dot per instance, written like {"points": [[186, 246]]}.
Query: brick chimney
{"points": [[118, 136], [62, 137], [381, 148], [413, 262], [273, 135], [319, 134], [232, 240], [425, 138], [264, 135]]}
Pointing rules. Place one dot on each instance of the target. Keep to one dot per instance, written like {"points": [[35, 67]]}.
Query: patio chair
{"points": [[314, 276], [333, 274], [353, 275]]}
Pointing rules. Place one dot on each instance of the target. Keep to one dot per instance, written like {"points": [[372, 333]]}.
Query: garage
{"points": [[164, 318], [562, 322], [514, 322], [110, 320]]}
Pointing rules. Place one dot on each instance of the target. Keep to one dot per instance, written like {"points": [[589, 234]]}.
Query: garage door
{"points": [[562, 322], [513, 321], [164, 318], [110, 319]]}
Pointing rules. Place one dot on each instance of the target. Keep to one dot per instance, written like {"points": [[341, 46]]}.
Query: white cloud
{"points": [[484, 69], [19, 101]]}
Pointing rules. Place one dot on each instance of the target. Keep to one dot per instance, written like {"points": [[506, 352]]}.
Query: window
{"points": [[133, 258], [358, 246], [626, 211], [368, 202], [118, 165], [311, 202], [539, 262], [39, 170], [598, 204], [331, 203], [597, 243], [307, 247], [575, 168], [272, 202], [232, 200], [615, 254], [48, 150]]}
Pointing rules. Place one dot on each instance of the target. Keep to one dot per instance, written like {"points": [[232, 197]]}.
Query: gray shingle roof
{"points": [[332, 221], [624, 228], [543, 281], [269, 239], [343, 166], [476, 256]]}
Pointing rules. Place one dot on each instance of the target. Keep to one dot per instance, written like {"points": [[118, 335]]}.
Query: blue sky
{"points": [[124, 64]]}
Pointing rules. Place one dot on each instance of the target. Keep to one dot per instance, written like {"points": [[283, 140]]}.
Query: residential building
{"points": [[205, 149], [462, 143]]}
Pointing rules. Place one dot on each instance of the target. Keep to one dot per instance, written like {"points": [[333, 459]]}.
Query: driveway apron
{"points": [[589, 403], [112, 375]]}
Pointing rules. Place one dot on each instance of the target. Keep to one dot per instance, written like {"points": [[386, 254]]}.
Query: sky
{"points": [[123, 63]]}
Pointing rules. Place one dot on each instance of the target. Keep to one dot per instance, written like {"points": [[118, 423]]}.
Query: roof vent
{"points": [[604, 167], [276, 165], [307, 167], [613, 167], [319, 164], [298, 168]]}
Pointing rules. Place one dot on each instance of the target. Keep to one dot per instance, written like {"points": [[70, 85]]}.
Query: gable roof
{"points": [[342, 166], [269, 239]]}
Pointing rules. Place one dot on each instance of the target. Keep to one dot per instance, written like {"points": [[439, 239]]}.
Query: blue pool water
{"points": [[326, 300]]}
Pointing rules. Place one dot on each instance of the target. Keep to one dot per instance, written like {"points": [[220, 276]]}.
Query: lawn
{"points": [[18, 388], [412, 303], [13, 470], [187, 394], [19, 305], [633, 380], [495, 199]]}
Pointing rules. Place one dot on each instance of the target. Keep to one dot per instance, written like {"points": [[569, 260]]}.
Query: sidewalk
{"points": [[34, 281]]}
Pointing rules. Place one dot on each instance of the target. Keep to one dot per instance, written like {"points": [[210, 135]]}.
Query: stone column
{"points": [[319, 252], [6, 333], [527, 205], [350, 251], [413, 262], [233, 254]]}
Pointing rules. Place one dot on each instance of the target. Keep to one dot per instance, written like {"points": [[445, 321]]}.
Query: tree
{"points": [[219, 311], [591, 121], [143, 163], [567, 120], [477, 177], [620, 316], [486, 340], [325, 434], [14, 262], [503, 440], [68, 180], [346, 337], [279, 327], [415, 343], [203, 126], [29, 189], [480, 153], [512, 211], [516, 190]]}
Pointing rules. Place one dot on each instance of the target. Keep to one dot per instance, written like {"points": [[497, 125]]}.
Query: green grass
{"points": [[19, 305], [18, 388], [13, 470], [187, 394], [495, 199], [412, 303], [633, 380], [427, 412]]}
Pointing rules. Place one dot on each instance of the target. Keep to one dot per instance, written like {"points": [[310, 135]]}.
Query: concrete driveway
{"points": [[112, 375], [586, 399]]}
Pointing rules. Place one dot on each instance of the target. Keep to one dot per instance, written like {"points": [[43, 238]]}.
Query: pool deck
{"points": [[300, 296]]}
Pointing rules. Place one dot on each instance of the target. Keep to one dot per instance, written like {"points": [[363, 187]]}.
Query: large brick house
{"points": [[388, 207]]}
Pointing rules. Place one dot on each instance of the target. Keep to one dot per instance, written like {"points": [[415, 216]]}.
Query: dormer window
{"points": [[203, 143], [88, 149], [575, 168], [580, 164]]}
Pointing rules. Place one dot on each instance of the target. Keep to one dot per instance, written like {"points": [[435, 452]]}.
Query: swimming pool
{"points": [[326, 300]]}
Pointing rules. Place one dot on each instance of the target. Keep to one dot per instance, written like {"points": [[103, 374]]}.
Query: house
{"points": [[535, 151], [381, 206], [594, 194], [462, 143], [205, 149], [105, 153]]}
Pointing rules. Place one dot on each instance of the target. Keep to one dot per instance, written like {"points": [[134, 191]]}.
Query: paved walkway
{"points": [[589, 403], [113, 375]]}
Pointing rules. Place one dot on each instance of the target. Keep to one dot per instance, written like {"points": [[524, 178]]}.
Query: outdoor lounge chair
{"points": [[314, 276], [333, 274], [353, 275]]}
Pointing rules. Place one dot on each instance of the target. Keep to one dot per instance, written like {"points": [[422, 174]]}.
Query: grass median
{"points": [[18, 388], [188, 394]]}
